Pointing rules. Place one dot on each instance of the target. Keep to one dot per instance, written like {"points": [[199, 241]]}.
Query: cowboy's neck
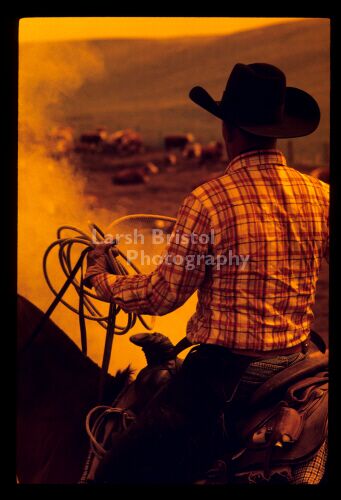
{"points": [[233, 152]]}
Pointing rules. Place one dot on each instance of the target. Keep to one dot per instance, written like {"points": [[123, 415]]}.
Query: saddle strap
{"points": [[181, 346], [318, 341]]}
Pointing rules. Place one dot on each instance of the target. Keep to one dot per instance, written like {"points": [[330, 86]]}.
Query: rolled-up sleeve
{"points": [[177, 277]]}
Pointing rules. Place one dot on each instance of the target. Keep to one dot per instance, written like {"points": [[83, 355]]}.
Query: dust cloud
{"points": [[51, 193]]}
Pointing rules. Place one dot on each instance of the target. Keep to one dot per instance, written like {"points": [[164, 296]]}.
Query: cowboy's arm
{"points": [[175, 279]]}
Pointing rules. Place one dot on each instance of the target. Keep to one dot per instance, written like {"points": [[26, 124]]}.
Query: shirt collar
{"points": [[256, 158]]}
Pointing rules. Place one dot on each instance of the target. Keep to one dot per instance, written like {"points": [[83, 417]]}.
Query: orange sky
{"points": [[76, 28]]}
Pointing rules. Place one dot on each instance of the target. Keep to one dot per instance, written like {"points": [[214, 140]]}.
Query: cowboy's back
{"points": [[271, 223], [262, 212]]}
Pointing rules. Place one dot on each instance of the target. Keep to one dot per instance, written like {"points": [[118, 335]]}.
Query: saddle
{"points": [[102, 422], [284, 424]]}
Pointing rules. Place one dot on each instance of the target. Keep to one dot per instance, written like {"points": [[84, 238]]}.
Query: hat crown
{"points": [[255, 94], [257, 100]]}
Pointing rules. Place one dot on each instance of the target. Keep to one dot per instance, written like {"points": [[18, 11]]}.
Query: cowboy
{"points": [[251, 320]]}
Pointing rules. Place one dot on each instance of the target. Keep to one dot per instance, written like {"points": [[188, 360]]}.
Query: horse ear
{"points": [[122, 378]]}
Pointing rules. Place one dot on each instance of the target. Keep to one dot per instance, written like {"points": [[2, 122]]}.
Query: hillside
{"points": [[145, 83]]}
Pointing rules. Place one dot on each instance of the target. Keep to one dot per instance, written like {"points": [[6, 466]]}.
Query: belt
{"points": [[302, 347]]}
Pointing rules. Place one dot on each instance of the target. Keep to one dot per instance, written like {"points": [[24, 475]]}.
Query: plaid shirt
{"points": [[260, 210]]}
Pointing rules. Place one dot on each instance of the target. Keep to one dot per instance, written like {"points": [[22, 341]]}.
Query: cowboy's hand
{"points": [[97, 262]]}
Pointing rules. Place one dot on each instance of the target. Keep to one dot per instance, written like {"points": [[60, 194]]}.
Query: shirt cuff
{"points": [[102, 281], [88, 280]]}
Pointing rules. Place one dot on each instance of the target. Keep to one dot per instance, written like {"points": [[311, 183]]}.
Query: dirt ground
{"points": [[162, 194]]}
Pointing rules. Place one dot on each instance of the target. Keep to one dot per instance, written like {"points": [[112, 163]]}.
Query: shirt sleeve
{"points": [[178, 275]]}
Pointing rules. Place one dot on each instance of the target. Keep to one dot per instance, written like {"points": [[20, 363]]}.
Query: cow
{"points": [[90, 142], [112, 144], [135, 175], [192, 151], [124, 142], [151, 168], [91, 138], [212, 152], [132, 142], [102, 132], [179, 141], [170, 159]]}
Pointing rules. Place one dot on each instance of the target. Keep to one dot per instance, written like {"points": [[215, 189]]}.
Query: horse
{"points": [[56, 387]]}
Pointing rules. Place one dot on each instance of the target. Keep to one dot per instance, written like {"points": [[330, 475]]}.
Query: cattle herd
{"points": [[61, 142], [122, 142], [127, 142]]}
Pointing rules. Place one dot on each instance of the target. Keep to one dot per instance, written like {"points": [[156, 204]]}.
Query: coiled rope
{"points": [[86, 310]]}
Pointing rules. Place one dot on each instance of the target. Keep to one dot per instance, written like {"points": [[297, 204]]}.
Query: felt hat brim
{"points": [[300, 117]]}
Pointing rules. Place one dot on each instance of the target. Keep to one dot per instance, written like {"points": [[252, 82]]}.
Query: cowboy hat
{"points": [[257, 100]]}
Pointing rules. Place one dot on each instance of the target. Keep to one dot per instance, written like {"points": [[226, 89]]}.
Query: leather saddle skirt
{"points": [[286, 421]]}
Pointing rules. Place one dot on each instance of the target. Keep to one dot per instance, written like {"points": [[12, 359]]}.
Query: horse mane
{"points": [[53, 347]]}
